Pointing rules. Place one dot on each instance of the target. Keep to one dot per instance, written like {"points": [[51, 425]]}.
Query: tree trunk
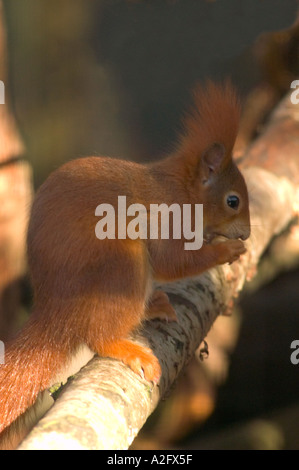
{"points": [[15, 199]]}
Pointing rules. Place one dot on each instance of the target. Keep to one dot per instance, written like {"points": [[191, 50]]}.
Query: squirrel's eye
{"points": [[233, 201]]}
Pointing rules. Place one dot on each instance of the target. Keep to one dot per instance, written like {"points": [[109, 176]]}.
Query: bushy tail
{"points": [[32, 361]]}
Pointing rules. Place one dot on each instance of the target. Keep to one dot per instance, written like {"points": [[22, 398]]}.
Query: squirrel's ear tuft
{"points": [[212, 123]]}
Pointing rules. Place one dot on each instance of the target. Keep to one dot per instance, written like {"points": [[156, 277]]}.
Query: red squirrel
{"points": [[97, 292]]}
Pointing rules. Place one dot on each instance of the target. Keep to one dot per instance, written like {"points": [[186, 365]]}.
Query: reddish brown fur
{"points": [[214, 117], [95, 292]]}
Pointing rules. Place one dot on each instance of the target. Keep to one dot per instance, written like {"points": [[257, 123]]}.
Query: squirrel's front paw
{"points": [[230, 251]]}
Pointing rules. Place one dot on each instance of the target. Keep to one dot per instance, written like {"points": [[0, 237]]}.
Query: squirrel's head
{"points": [[224, 195], [210, 131]]}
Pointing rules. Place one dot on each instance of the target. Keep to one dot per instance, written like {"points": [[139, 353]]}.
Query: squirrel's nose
{"points": [[245, 233]]}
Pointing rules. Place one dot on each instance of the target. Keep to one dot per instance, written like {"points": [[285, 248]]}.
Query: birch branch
{"points": [[106, 404]]}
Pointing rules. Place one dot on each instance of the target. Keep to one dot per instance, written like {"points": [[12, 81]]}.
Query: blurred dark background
{"points": [[113, 77]]}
